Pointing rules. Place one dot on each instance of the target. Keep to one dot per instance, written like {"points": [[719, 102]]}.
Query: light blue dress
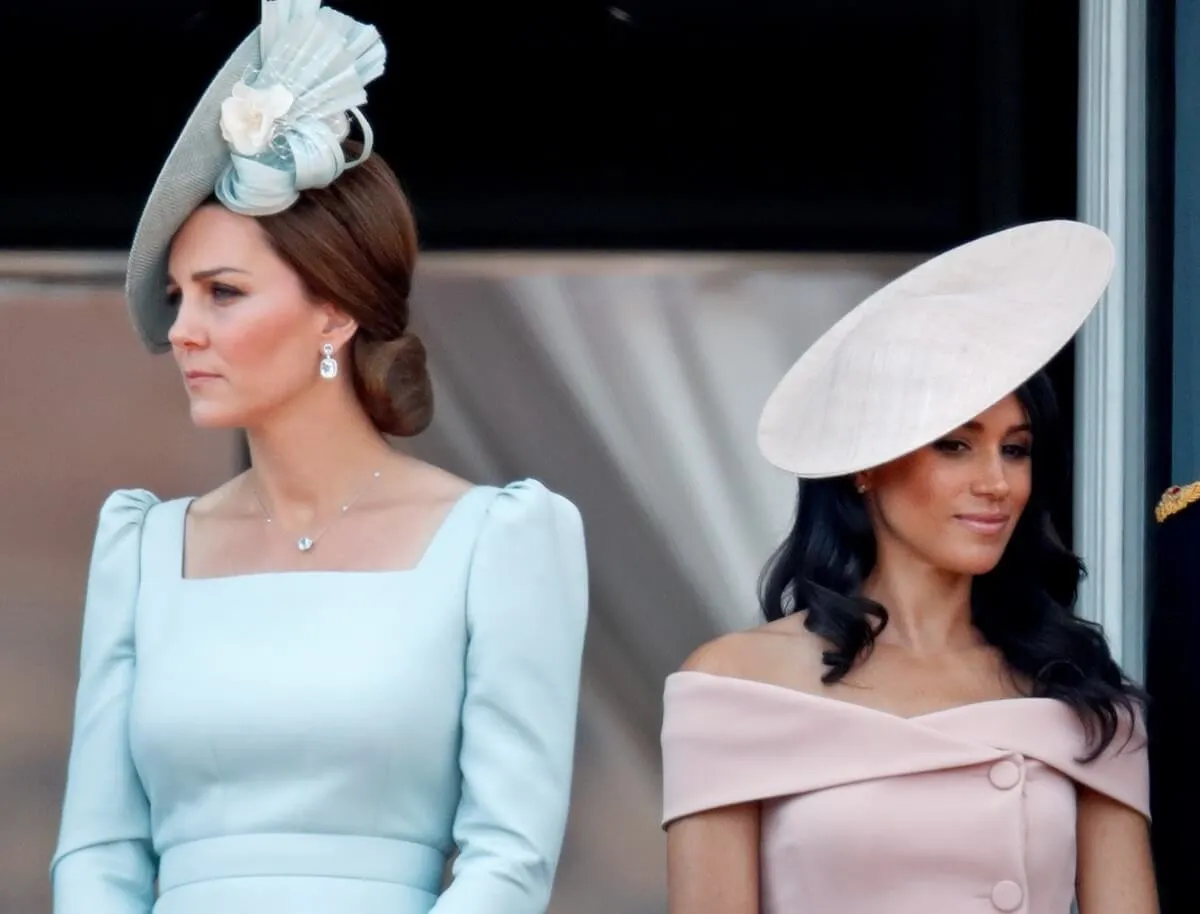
{"points": [[321, 742]]}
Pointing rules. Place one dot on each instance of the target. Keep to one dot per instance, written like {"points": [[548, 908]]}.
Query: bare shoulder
{"points": [[728, 655], [782, 653]]}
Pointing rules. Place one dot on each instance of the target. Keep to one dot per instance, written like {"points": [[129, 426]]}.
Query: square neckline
{"points": [[439, 534]]}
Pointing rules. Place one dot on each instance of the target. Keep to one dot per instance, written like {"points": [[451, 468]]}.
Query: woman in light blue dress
{"points": [[345, 682]]}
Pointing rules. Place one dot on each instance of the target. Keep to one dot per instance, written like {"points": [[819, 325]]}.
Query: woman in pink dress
{"points": [[923, 726]]}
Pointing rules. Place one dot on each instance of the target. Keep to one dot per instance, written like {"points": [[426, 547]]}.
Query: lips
{"points": [[195, 379], [984, 523]]}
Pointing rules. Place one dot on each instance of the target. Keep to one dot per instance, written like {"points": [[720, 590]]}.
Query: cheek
{"points": [[912, 515], [266, 340], [917, 501], [924, 490]]}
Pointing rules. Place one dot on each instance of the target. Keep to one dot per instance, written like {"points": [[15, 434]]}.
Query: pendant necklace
{"points": [[306, 543]]}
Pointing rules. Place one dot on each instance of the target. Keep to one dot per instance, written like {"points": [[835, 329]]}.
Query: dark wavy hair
{"points": [[1024, 606]]}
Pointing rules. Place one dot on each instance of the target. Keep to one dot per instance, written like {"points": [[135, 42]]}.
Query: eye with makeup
{"points": [[949, 446], [1012, 450], [219, 292], [223, 292], [1018, 451]]}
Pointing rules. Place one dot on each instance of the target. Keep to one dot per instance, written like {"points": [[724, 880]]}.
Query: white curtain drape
{"points": [[632, 384]]}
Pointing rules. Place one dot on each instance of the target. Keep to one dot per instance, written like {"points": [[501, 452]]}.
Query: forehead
{"points": [[213, 235]]}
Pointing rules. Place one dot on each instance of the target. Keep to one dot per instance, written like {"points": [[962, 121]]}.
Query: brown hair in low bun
{"points": [[354, 244], [393, 384]]}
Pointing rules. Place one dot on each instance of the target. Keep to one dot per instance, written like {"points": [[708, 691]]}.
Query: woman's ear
{"points": [[336, 326], [862, 483]]}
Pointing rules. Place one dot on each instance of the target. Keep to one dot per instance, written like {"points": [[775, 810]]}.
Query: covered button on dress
{"points": [[969, 810]]}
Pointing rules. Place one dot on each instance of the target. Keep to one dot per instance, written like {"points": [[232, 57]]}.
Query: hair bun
{"points": [[393, 383]]}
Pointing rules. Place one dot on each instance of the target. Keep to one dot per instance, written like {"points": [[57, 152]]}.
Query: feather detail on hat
{"points": [[286, 122]]}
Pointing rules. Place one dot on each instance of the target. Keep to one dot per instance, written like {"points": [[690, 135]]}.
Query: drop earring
{"points": [[329, 365]]}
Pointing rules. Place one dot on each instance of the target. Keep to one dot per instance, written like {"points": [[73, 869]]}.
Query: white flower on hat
{"points": [[249, 116]]}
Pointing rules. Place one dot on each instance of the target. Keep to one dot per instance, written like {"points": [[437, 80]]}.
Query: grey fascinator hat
{"points": [[934, 348], [270, 125]]}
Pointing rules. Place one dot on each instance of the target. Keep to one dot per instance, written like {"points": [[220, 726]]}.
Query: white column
{"points": [[1111, 506]]}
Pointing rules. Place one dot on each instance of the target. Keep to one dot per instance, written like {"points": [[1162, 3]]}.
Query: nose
{"points": [[187, 330], [992, 480]]}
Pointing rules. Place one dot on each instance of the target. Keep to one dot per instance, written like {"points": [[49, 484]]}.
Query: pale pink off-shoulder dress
{"points": [[969, 810]]}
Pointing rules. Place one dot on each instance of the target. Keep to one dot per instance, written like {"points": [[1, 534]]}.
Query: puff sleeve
{"points": [[526, 617], [104, 862]]}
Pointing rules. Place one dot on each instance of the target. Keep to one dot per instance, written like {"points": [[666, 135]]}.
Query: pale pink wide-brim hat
{"points": [[935, 348]]}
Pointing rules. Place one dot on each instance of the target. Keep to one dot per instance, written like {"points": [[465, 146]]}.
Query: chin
{"points": [[208, 415], [974, 562]]}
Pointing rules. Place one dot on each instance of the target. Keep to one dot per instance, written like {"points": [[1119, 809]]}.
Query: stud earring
{"points": [[862, 488], [329, 365]]}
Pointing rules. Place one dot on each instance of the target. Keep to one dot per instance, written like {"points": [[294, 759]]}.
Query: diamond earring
{"points": [[329, 365]]}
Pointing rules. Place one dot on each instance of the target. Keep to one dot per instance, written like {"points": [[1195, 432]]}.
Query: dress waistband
{"points": [[336, 856]]}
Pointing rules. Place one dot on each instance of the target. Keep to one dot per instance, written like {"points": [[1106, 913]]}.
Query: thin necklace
{"points": [[306, 543]]}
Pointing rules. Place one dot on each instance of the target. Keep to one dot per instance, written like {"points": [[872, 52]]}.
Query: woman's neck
{"points": [[929, 609], [312, 457]]}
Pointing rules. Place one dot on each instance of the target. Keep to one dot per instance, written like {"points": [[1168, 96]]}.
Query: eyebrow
{"points": [[202, 275], [974, 426]]}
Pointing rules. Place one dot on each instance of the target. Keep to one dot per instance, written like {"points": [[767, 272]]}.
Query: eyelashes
{"points": [[949, 446], [219, 292], [222, 292], [957, 446]]}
